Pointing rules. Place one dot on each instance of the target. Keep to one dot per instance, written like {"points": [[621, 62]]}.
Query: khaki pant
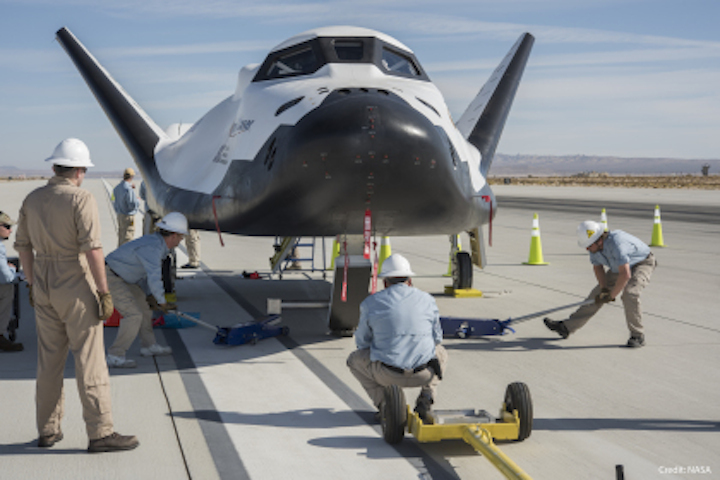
{"points": [[192, 242], [129, 300], [374, 377], [71, 324], [7, 295], [639, 278], [126, 228]]}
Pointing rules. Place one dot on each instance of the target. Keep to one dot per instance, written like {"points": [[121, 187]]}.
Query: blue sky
{"points": [[606, 77]]}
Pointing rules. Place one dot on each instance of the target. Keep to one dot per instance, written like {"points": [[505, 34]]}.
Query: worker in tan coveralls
{"points": [[58, 240], [192, 242]]}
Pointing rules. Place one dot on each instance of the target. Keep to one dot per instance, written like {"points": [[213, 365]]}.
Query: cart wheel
{"points": [[517, 397], [462, 271], [285, 331], [394, 415], [253, 341]]}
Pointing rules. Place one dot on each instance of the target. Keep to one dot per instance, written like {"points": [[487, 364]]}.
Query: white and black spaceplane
{"points": [[335, 121], [338, 132]]}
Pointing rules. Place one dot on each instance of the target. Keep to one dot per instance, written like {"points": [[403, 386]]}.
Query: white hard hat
{"points": [[396, 266], [71, 152], [588, 232], [174, 222]]}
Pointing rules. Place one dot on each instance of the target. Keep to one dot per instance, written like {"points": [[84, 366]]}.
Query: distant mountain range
{"points": [[574, 164], [9, 171], [519, 165]]}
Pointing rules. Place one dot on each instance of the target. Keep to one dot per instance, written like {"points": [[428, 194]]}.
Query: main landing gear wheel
{"points": [[517, 397], [462, 273], [393, 415]]}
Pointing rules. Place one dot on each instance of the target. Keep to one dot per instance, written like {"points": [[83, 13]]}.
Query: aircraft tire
{"points": [[462, 271], [517, 397], [393, 415]]}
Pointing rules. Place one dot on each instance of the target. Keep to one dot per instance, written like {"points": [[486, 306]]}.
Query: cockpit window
{"points": [[395, 62], [299, 62], [350, 50]]}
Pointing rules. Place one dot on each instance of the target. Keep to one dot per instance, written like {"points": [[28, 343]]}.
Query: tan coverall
{"points": [[59, 222], [192, 242]]}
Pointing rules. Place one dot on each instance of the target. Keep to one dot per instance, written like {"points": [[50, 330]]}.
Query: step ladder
{"points": [[283, 259]]}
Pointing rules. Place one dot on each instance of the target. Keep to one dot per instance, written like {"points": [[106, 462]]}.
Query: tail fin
{"points": [[137, 130], [483, 121]]}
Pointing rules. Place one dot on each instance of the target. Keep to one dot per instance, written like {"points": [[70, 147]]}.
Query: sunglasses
{"points": [[7, 226]]}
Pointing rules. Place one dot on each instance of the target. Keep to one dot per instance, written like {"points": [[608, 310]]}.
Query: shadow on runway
{"points": [[425, 457], [31, 448], [647, 424], [308, 418], [520, 345]]}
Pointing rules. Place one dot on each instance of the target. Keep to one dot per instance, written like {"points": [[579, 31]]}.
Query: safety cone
{"points": [[335, 253], [603, 220], [657, 236], [536, 255], [385, 251], [459, 249]]}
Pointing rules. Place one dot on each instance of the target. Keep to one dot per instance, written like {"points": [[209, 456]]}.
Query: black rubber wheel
{"points": [[394, 415], [517, 397], [462, 271], [285, 331]]}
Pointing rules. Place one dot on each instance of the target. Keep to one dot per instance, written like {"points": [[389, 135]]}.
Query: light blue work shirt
{"points": [[126, 202], [140, 262], [7, 274], [620, 248], [400, 325]]}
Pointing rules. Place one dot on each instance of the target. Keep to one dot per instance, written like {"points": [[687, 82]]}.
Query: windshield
{"points": [[397, 63], [298, 62]]}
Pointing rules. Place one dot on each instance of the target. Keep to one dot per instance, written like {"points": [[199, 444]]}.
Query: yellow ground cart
{"points": [[476, 427]]}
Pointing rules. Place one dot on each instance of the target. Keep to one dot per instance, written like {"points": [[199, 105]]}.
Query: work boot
{"points": [[46, 441], [8, 346], [190, 265], [114, 361], [557, 327], [636, 341], [423, 407], [113, 443], [155, 350]]}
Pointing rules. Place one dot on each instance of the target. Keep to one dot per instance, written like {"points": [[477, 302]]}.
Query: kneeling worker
{"points": [[630, 264], [132, 268], [398, 339]]}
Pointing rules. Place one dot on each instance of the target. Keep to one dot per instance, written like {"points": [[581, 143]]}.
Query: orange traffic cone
{"points": [[536, 255]]}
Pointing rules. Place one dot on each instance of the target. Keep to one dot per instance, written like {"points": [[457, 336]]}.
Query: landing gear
{"points": [[462, 272]]}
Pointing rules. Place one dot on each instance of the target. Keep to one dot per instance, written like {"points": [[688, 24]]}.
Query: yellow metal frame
{"points": [[479, 435]]}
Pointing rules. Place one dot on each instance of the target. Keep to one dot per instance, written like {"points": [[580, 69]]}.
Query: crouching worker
{"points": [[398, 339], [134, 270]]}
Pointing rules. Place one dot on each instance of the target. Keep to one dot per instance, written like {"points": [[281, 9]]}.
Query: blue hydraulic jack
{"points": [[250, 332], [477, 327]]}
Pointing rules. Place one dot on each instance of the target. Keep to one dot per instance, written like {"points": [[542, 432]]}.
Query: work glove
{"points": [[168, 307], [152, 302], [30, 297], [604, 297], [106, 305]]}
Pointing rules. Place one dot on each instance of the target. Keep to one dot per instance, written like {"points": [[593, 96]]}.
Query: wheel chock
{"points": [[462, 292]]}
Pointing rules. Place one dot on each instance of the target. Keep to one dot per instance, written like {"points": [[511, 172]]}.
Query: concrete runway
{"points": [[289, 407]]}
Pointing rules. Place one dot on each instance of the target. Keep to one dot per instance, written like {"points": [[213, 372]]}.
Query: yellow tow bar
{"points": [[481, 440], [478, 435]]}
